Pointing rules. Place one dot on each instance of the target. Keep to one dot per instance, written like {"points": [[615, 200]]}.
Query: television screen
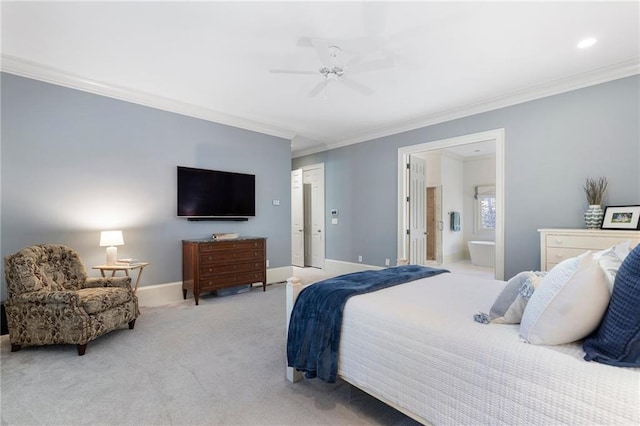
{"points": [[213, 193]]}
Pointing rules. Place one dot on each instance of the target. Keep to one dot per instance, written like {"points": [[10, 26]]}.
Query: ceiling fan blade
{"points": [[318, 88], [358, 87], [375, 64], [322, 49], [277, 71]]}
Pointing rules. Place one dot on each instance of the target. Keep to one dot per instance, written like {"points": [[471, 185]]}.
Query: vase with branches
{"points": [[594, 190]]}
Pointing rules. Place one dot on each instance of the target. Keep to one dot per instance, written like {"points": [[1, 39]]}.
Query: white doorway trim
{"points": [[496, 135]]}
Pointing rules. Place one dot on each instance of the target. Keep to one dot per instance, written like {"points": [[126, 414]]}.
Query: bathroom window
{"points": [[485, 208]]}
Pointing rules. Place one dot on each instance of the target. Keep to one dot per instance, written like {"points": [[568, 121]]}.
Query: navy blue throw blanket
{"points": [[316, 319]]}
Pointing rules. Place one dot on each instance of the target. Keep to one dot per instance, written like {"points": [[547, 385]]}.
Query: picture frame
{"points": [[621, 218]]}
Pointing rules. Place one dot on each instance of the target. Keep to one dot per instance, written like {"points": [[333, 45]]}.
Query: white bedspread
{"points": [[416, 346]]}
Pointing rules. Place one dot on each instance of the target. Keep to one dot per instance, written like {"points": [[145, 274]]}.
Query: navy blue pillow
{"points": [[617, 340]]}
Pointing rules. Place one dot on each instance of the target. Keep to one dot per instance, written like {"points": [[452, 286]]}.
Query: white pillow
{"points": [[611, 259], [568, 304]]}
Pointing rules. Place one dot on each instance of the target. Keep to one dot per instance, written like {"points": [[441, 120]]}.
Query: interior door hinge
{"points": [[408, 199], [407, 232], [408, 166]]}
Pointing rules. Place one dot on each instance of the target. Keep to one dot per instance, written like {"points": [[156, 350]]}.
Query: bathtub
{"points": [[483, 253]]}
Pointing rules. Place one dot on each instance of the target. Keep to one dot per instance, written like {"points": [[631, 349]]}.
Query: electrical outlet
{"points": [[359, 258], [267, 263], [387, 262]]}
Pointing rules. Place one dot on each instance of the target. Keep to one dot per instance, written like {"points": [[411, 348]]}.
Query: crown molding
{"points": [[36, 71], [579, 81]]}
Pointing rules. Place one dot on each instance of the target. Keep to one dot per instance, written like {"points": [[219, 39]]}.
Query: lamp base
{"points": [[112, 255]]}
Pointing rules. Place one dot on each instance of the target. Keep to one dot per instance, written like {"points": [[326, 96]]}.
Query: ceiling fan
{"points": [[332, 69]]}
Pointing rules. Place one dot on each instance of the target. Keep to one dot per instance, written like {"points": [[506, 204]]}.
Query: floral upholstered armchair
{"points": [[51, 300]]}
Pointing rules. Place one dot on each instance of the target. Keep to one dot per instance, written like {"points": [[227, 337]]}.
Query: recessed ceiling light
{"points": [[587, 42]]}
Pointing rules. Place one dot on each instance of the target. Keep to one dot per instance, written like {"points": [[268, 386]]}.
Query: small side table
{"points": [[125, 268]]}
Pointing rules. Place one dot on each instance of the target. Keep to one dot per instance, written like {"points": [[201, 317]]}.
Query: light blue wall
{"points": [[74, 164], [552, 145]]}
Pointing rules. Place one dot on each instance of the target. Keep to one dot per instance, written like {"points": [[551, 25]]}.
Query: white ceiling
{"points": [[213, 59]]}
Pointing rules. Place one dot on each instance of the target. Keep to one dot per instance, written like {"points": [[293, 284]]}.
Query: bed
{"points": [[416, 347]]}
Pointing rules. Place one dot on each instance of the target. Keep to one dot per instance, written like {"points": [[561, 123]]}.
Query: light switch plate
{"points": [[334, 221]]}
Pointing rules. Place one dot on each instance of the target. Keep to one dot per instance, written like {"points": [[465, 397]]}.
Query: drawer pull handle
{"points": [[559, 241], [559, 255]]}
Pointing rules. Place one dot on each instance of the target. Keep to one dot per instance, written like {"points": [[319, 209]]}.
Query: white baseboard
{"points": [[278, 275], [160, 294], [163, 294], [452, 258], [339, 267]]}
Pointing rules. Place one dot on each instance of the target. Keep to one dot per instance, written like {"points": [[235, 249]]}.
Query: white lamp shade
{"points": [[111, 238]]}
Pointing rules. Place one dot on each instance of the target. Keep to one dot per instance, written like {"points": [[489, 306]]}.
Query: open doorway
{"points": [[434, 224], [442, 225], [307, 217]]}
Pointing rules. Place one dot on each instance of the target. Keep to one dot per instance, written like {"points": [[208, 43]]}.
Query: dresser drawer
{"points": [[230, 268], [234, 255], [558, 254], [230, 280], [585, 242], [223, 246]]}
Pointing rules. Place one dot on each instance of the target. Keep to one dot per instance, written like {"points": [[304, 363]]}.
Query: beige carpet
{"points": [[222, 362]]}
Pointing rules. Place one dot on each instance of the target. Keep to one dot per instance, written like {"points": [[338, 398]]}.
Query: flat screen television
{"points": [[206, 194]]}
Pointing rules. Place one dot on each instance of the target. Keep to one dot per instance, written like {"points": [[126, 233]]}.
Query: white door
{"points": [[417, 211], [297, 219], [313, 179]]}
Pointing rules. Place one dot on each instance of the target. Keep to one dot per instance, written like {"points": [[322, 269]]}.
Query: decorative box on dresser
{"points": [[210, 265], [557, 245]]}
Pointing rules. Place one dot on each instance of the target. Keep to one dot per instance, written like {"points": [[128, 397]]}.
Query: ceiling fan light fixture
{"points": [[332, 76], [332, 70]]}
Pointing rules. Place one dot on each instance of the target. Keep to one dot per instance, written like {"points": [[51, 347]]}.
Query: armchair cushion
{"points": [[99, 299], [124, 282]]}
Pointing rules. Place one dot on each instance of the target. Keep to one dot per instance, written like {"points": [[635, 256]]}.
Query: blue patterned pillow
{"points": [[617, 340]]}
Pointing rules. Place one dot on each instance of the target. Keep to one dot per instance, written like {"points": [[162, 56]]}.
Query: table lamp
{"points": [[110, 239]]}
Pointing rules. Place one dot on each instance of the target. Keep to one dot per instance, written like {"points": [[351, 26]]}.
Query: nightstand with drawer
{"points": [[557, 245]]}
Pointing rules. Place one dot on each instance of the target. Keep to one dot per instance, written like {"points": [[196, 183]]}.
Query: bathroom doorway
{"points": [[495, 139]]}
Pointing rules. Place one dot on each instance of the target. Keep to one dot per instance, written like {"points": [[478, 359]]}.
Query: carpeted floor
{"points": [[222, 362]]}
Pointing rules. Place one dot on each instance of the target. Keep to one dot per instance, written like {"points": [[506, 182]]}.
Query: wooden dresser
{"points": [[557, 245], [209, 265]]}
